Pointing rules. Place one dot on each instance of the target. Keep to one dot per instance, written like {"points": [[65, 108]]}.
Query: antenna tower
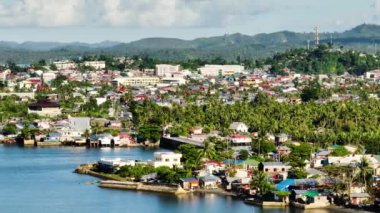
{"points": [[316, 36]]}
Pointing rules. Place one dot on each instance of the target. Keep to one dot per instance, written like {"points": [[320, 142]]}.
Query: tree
{"points": [[262, 182], [340, 151], [10, 129], [207, 151], [190, 155], [297, 173], [150, 132], [311, 92], [243, 154], [365, 172]]}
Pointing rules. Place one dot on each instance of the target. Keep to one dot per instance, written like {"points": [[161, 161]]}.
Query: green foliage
{"points": [[340, 151], [262, 182], [189, 154], [346, 122], [169, 175], [135, 172], [263, 146], [243, 154], [10, 129], [297, 173], [150, 132]]}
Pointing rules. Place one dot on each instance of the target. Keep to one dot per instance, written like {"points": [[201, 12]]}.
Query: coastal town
{"points": [[269, 137]]}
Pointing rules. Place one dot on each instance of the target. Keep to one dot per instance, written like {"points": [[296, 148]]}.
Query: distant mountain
{"points": [[363, 37]]}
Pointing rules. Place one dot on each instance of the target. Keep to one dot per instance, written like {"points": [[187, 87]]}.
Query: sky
{"points": [[127, 20]]}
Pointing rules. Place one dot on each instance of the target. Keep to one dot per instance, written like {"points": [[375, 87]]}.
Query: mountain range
{"points": [[365, 37]]}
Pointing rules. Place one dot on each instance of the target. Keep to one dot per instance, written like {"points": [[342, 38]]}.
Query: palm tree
{"points": [[208, 151], [364, 172], [262, 182]]}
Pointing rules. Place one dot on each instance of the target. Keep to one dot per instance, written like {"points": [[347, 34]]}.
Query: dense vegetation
{"points": [[346, 122], [323, 60]]}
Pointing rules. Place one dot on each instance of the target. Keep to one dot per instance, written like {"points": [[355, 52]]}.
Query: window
{"points": [[283, 169], [275, 169], [166, 160], [266, 170]]}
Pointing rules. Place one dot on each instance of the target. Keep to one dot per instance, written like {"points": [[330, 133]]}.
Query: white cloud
{"points": [[45, 13], [133, 13]]}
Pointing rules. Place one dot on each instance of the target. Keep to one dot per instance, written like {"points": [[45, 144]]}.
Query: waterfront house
{"points": [[209, 182], [112, 165], [277, 170], [189, 183], [359, 198], [309, 199], [169, 159], [239, 127]]}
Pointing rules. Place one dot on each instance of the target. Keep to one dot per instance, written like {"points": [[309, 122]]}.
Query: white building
{"points": [[239, 127], [118, 162], [48, 76], [224, 70], [65, 65], [167, 70], [240, 142], [374, 75], [99, 65], [136, 81], [4, 74], [169, 159]]}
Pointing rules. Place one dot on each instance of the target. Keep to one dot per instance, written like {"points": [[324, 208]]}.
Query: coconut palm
{"points": [[208, 151], [364, 172], [262, 182]]}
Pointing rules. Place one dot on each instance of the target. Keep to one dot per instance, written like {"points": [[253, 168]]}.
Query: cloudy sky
{"points": [[126, 20]]}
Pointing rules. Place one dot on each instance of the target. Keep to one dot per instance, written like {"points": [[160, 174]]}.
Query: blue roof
{"points": [[191, 179]]}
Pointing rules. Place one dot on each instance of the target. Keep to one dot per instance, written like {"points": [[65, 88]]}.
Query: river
{"points": [[36, 180]]}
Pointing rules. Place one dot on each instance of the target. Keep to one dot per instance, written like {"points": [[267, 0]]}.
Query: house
{"points": [[196, 130], [281, 138], [45, 108], [239, 127], [189, 183], [283, 150], [79, 123], [359, 198], [110, 165], [309, 199], [105, 140], [210, 182], [277, 170], [240, 142], [169, 159], [53, 137], [373, 75]]}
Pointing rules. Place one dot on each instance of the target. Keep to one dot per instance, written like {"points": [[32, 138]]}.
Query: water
{"points": [[35, 180]]}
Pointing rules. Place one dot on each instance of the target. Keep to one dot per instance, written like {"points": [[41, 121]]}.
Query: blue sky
{"points": [[127, 20]]}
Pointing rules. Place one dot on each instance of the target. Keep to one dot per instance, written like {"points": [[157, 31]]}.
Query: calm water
{"points": [[41, 180]]}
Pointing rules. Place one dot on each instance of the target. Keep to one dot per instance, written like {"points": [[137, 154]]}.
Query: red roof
{"points": [[238, 136]]}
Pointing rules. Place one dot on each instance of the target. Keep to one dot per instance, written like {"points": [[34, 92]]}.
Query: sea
{"points": [[41, 179]]}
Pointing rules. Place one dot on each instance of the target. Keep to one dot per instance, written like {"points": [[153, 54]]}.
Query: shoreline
{"points": [[115, 182]]}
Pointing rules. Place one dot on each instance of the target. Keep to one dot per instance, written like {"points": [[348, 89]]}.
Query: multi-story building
{"points": [[96, 64], [169, 159], [224, 70], [167, 70], [136, 81], [240, 142], [65, 65], [45, 108]]}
